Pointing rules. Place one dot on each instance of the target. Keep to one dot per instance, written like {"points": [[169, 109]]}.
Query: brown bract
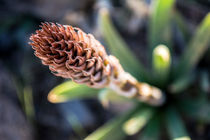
{"points": [[71, 53]]}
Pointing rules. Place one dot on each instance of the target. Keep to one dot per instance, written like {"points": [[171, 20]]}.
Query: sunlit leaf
{"points": [[161, 63], [138, 120], [111, 130], [159, 28], [195, 49], [70, 90], [118, 47], [175, 125]]}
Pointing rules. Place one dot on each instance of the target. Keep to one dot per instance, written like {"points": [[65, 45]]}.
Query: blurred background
{"points": [[25, 112]]}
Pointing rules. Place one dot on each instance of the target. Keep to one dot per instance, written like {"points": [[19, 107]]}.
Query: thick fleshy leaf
{"points": [[197, 109], [111, 130], [138, 120], [70, 90], [175, 125], [182, 83], [159, 28], [195, 49], [118, 47], [161, 64], [182, 25], [152, 129]]}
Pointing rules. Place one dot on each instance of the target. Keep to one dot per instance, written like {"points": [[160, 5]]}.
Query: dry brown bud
{"points": [[71, 53]]}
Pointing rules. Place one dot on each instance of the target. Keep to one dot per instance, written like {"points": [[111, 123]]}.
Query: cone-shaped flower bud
{"points": [[71, 53]]}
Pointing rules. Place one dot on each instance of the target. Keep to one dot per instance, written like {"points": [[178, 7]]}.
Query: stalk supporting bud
{"points": [[71, 53]]}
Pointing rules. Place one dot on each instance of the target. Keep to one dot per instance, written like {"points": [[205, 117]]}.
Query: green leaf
{"points": [[161, 64], [159, 28], [69, 91], [138, 120], [28, 103], [76, 125], [113, 129], [196, 48], [175, 125], [197, 109], [182, 83], [182, 25], [152, 130], [118, 47], [205, 81]]}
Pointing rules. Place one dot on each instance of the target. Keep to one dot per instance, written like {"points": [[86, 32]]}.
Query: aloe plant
{"points": [[174, 82]]}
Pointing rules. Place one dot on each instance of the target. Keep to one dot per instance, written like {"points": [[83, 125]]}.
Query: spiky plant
{"points": [[165, 93]]}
